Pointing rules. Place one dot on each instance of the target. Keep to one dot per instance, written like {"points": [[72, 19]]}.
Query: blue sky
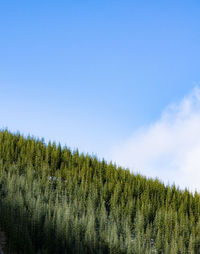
{"points": [[91, 73]]}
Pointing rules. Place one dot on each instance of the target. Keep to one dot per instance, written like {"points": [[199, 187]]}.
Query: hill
{"points": [[54, 200]]}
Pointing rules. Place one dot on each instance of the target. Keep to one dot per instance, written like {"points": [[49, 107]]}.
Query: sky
{"points": [[116, 79]]}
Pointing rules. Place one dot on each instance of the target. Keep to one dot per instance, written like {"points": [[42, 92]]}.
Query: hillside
{"points": [[54, 200]]}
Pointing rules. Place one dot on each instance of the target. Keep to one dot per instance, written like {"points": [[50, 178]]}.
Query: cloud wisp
{"points": [[168, 148]]}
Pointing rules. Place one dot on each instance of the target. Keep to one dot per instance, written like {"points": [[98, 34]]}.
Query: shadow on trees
{"points": [[25, 235]]}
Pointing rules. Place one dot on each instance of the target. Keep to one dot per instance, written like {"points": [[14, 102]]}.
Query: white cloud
{"points": [[168, 148]]}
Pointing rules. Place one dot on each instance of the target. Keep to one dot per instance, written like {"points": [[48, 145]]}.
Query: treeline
{"points": [[54, 200]]}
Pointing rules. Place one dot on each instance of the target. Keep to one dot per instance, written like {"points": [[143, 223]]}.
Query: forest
{"points": [[54, 200]]}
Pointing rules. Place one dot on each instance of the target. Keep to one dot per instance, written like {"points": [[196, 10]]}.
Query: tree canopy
{"points": [[54, 200]]}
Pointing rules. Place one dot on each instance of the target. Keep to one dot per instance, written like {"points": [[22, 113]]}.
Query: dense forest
{"points": [[54, 200]]}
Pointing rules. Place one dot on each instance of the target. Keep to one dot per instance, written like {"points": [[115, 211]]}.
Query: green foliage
{"points": [[53, 200]]}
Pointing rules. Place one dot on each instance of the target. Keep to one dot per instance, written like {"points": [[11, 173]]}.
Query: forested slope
{"points": [[53, 200]]}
